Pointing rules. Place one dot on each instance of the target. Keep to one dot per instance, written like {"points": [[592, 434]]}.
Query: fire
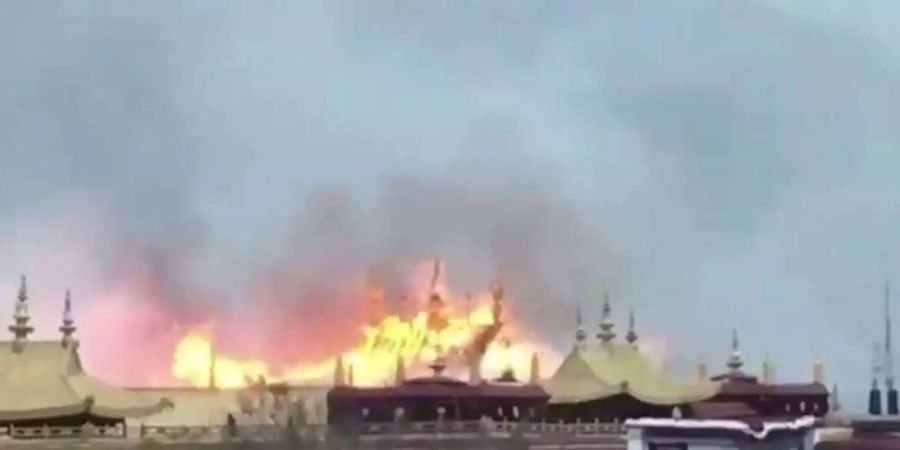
{"points": [[418, 340]]}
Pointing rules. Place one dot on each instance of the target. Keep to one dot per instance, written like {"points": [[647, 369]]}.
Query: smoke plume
{"points": [[712, 165]]}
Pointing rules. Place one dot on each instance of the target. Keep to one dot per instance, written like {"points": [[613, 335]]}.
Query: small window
{"points": [[802, 406]]}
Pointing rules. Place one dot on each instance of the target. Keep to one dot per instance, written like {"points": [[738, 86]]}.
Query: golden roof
{"points": [[592, 372], [45, 378]]}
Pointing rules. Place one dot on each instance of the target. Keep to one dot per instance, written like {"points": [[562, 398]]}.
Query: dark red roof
{"points": [[742, 388], [442, 387], [723, 410]]}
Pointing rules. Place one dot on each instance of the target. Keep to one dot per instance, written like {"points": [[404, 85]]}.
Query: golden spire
{"points": [[21, 329], [400, 371], [768, 370], [818, 371], [631, 336], [535, 376], [734, 361], [68, 324], [702, 373], [580, 334], [339, 377], [606, 333]]}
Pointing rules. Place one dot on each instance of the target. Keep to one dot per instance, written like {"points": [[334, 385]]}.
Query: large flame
{"points": [[418, 340]]}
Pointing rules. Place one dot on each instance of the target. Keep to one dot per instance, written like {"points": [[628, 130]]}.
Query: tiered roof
{"points": [[602, 369], [41, 379]]}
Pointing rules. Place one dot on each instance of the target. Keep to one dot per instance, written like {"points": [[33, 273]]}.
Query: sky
{"points": [[713, 165]]}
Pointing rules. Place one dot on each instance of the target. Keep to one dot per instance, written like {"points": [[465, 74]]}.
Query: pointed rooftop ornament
{"points": [[734, 361], [535, 376], [835, 401], [702, 372], [580, 334], [212, 367], [21, 329], [339, 378], [400, 371], [768, 370], [631, 336], [606, 334], [68, 323], [818, 370], [350, 375]]}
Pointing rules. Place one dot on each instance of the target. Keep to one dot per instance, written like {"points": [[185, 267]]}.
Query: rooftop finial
{"points": [[21, 329], [631, 336], [400, 371], [768, 370], [818, 370], [340, 379], [606, 334], [68, 323], [835, 401], [734, 361], [888, 353], [580, 334]]}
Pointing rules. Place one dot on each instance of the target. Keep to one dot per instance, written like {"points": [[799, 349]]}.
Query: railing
{"points": [[47, 432], [450, 429]]}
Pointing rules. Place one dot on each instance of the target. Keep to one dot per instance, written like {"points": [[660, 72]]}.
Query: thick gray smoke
{"points": [[713, 165]]}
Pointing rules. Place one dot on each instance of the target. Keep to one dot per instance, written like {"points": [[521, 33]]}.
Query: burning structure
{"points": [[439, 397], [468, 340], [44, 383]]}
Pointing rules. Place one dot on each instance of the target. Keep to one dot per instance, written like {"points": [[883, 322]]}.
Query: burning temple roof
{"points": [[597, 370], [40, 379]]}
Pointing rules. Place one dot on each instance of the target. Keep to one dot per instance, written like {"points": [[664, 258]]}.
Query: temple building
{"points": [[439, 397], [746, 395], [436, 397], [613, 381], [44, 383]]}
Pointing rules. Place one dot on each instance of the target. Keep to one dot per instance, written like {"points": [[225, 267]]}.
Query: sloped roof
{"points": [[46, 379], [592, 372]]}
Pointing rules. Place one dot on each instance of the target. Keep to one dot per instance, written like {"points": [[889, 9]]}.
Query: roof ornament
{"points": [[606, 334], [339, 377], [734, 361], [768, 370], [818, 370], [400, 371], [702, 372], [535, 375], [21, 329], [888, 352], [631, 336], [580, 334], [68, 323], [835, 401]]}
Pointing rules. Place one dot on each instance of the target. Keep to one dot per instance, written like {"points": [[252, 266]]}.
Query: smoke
{"points": [[714, 166]]}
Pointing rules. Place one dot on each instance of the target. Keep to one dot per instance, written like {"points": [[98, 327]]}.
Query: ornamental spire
{"points": [[631, 336], [400, 371], [606, 334], [734, 361], [21, 329], [768, 370], [68, 323], [580, 334], [339, 378]]}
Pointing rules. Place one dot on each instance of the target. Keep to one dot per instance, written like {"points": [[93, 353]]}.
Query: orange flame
{"points": [[417, 340]]}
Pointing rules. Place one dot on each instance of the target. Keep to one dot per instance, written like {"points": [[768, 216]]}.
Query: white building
{"points": [[683, 434]]}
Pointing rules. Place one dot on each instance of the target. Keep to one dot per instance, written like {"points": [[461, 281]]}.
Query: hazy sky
{"points": [[715, 165]]}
